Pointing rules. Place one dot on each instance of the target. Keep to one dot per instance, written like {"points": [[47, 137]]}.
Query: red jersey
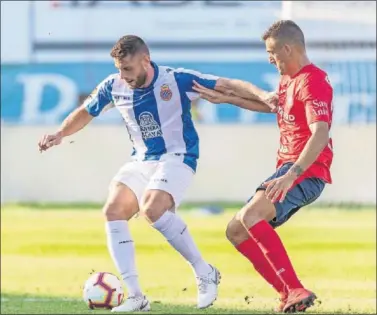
{"points": [[304, 99]]}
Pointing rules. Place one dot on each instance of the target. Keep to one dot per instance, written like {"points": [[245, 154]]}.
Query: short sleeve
{"points": [[317, 95], [185, 79], [100, 97]]}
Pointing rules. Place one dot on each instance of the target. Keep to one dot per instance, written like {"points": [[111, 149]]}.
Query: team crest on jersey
{"points": [[148, 126], [166, 93]]}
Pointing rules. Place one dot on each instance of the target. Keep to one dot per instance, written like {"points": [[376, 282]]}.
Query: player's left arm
{"points": [[317, 96]]}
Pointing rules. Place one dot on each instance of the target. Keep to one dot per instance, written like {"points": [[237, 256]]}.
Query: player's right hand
{"points": [[272, 100], [48, 141]]}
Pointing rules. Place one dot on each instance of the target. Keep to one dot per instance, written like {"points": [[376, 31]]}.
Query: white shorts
{"points": [[171, 175]]}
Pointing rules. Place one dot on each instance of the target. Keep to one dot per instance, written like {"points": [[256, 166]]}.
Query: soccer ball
{"points": [[103, 290]]}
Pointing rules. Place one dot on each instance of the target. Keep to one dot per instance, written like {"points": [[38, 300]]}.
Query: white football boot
{"points": [[133, 304], [208, 288]]}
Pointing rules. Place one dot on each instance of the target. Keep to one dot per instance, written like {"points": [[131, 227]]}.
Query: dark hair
{"points": [[285, 30], [128, 45]]}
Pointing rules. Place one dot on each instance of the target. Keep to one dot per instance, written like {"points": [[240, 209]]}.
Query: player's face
{"points": [[278, 54], [133, 69]]}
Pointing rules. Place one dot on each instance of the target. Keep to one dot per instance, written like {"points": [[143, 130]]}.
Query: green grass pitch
{"points": [[48, 253]]}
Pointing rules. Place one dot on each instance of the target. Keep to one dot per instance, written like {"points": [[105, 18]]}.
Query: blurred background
{"points": [[53, 54], [56, 52]]}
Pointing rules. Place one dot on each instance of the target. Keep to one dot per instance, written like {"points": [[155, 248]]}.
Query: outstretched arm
{"points": [[75, 121], [217, 97], [253, 105], [80, 117], [243, 89], [223, 90]]}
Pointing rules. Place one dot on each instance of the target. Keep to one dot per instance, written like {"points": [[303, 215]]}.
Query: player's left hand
{"points": [[277, 188]]}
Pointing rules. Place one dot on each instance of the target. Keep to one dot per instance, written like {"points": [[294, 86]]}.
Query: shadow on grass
{"points": [[25, 304]]}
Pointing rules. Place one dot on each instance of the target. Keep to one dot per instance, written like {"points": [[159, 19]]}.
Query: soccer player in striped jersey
{"points": [[154, 102]]}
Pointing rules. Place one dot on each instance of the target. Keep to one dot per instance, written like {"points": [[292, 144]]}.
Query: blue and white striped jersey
{"points": [[158, 118]]}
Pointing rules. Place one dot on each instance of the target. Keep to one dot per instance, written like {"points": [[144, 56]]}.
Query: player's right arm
{"points": [[242, 89], [217, 97], [96, 102], [216, 90], [227, 86]]}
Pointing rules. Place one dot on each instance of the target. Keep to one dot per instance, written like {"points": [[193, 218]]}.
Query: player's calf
{"points": [[248, 247], [119, 208], [176, 233]]}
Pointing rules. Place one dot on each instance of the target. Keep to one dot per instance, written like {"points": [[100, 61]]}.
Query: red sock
{"points": [[252, 251], [271, 245]]}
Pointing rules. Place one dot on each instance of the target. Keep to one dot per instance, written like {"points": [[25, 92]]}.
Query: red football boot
{"points": [[299, 300]]}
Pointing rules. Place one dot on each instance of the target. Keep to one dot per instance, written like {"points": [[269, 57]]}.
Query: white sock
{"points": [[122, 251], [177, 234]]}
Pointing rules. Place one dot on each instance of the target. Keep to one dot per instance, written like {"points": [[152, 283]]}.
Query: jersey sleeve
{"points": [[185, 79], [317, 95], [100, 99]]}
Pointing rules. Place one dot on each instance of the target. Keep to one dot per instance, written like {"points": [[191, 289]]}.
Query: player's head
{"points": [[132, 58], [285, 45]]}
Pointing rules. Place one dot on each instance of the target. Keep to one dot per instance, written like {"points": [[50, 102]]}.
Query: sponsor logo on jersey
{"points": [[319, 103], [288, 118], [121, 98], [148, 126], [165, 93], [320, 108]]}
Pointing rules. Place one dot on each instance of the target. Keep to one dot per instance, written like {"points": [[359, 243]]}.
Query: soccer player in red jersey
{"points": [[303, 105]]}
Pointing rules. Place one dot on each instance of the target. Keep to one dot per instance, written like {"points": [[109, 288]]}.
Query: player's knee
{"points": [[155, 204], [255, 212], [153, 209], [231, 230], [113, 211], [236, 232], [150, 211], [121, 203]]}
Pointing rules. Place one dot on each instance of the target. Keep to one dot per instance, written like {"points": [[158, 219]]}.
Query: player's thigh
{"points": [[166, 188], [135, 175], [125, 191], [257, 209], [258, 206], [300, 195], [121, 203]]}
